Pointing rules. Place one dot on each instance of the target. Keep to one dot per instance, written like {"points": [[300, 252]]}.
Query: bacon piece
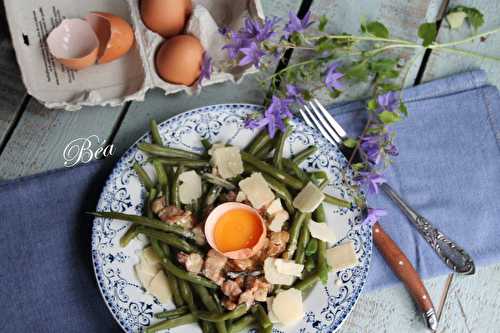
{"points": [[241, 265], [229, 304], [214, 266], [231, 288], [193, 262]]}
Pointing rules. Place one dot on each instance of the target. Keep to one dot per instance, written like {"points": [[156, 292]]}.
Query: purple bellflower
{"points": [[388, 101], [373, 216], [372, 180], [251, 55], [295, 24], [294, 93], [333, 76], [274, 116], [206, 68]]}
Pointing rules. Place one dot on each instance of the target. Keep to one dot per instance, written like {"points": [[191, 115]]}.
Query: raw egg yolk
{"points": [[237, 229]]}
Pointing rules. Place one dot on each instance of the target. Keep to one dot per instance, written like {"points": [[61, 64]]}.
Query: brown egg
{"points": [[165, 17], [74, 44], [179, 60]]}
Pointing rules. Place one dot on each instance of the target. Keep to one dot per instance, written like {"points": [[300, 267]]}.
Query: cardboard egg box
{"points": [[129, 77]]}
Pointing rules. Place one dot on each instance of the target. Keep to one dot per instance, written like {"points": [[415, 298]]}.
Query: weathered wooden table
{"points": [[32, 139]]}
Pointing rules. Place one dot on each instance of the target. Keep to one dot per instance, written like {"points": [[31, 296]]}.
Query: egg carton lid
{"points": [[127, 78]]}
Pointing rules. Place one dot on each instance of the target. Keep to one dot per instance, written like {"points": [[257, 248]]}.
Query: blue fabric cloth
{"points": [[448, 169]]}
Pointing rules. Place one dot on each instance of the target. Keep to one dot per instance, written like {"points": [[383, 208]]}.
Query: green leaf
{"points": [[297, 38], [356, 72], [323, 20], [388, 117], [473, 16], [403, 109], [386, 87], [376, 28], [358, 166], [372, 104], [350, 143], [428, 32]]}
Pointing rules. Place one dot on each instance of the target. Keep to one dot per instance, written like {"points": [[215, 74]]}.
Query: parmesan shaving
{"points": [[322, 232], [241, 196], [257, 190], [342, 256], [273, 276], [190, 187], [278, 220], [274, 207], [228, 161], [159, 287], [288, 267], [309, 198], [287, 306]]}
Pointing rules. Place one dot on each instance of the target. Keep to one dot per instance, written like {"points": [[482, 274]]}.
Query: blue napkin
{"points": [[448, 169], [46, 274]]}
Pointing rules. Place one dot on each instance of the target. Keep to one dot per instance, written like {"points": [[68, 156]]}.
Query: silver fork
{"points": [[315, 115]]}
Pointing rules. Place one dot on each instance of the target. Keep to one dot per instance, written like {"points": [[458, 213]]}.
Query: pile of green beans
{"points": [[195, 296]]}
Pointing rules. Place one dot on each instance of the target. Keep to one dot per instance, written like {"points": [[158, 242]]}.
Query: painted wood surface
{"points": [[40, 135]]}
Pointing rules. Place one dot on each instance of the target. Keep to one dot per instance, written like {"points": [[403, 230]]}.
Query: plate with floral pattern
{"points": [[326, 306]]}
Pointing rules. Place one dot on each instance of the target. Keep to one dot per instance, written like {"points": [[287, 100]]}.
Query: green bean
{"points": [[294, 231], [280, 145], [212, 195], [182, 274], [296, 170], [307, 282], [312, 247], [337, 201], [310, 264], [218, 181], [242, 323], [263, 152], [206, 327], [143, 176], [161, 151], [261, 315], [169, 239], [130, 234], [282, 192], [258, 142], [211, 304], [149, 202], [195, 164], [322, 267], [215, 317], [267, 329], [173, 283], [171, 323], [156, 245], [302, 242], [206, 144], [155, 134], [319, 174], [161, 175], [179, 311], [147, 222], [187, 296], [174, 188], [265, 167], [304, 155]]}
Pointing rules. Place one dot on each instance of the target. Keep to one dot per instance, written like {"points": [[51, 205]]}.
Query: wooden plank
{"points": [[12, 91], [38, 142], [441, 64], [402, 18], [163, 107]]}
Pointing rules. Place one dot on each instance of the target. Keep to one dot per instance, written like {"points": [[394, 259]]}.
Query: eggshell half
{"points": [[214, 217], [74, 44], [115, 35]]}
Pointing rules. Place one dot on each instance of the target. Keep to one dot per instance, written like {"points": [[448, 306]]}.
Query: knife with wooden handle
{"points": [[405, 271]]}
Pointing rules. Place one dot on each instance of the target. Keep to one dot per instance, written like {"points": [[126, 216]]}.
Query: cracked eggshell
{"points": [[74, 44], [214, 217], [115, 35]]}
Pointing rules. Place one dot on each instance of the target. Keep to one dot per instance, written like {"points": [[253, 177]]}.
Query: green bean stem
{"points": [[337, 201], [307, 282], [183, 161], [130, 234], [263, 152], [155, 133], [215, 317], [218, 181], [261, 314], [211, 305], [161, 175], [171, 323], [182, 274], [296, 170], [206, 144], [302, 242], [242, 323], [280, 145], [322, 266], [169, 239], [149, 202], [265, 167], [147, 222], [187, 296], [143, 176], [161, 151], [258, 142], [174, 188], [173, 283], [304, 155], [294, 232], [179, 311]]}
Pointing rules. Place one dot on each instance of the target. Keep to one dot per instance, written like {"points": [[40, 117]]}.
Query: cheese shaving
{"points": [[342, 256], [257, 190], [309, 198], [322, 232], [228, 161], [190, 187]]}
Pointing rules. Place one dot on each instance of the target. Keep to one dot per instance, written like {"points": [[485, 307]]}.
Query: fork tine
{"points": [[306, 118], [324, 123], [319, 126], [331, 121]]}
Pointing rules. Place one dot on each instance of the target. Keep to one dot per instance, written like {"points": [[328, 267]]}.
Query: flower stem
{"points": [[466, 40], [365, 38], [467, 52]]}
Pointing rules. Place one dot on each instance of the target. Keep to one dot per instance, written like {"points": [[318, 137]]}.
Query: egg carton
{"points": [[129, 77]]}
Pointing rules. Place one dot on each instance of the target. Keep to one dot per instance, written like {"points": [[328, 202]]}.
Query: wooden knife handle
{"points": [[405, 271]]}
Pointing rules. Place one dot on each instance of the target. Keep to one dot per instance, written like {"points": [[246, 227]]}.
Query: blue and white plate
{"points": [[326, 307]]}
